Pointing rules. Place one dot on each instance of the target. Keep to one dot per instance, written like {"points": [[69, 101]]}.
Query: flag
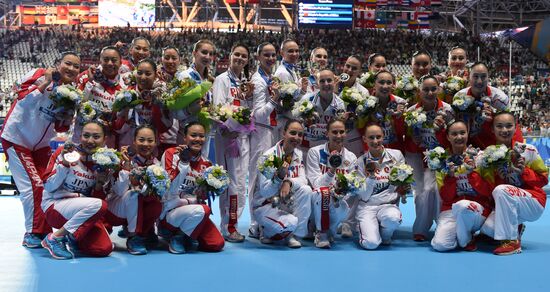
{"points": [[371, 3], [437, 2], [403, 24], [419, 3], [382, 2]]}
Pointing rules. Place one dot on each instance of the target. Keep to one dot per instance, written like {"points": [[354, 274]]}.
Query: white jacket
{"points": [[377, 191], [317, 165], [270, 186], [30, 123]]}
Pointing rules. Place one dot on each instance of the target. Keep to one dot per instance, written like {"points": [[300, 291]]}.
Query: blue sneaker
{"points": [[176, 245], [123, 233], [56, 246], [136, 246], [72, 245], [32, 240]]}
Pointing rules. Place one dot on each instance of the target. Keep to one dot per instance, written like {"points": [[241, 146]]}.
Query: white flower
{"points": [[439, 150]]}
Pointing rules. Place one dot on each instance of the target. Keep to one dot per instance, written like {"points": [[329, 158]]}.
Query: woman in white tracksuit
{"points": [[171, 61], [185, 212], [31, 123], [73, 199], [227, 91], [126, 205], [199, 71], [287, 184], [328, 212], [265, 99], [378, 211]]}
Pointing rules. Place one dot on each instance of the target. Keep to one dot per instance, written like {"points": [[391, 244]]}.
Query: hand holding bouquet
{"points": [[214, 179], [66, 96], [269, 164], [305, 111], [106, 159], [182, 91], [401, 175], [126, 99], [436, 158], [288, 92]]}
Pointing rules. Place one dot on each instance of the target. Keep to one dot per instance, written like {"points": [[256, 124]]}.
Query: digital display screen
{"points": [[137, 13], [325, 14]]}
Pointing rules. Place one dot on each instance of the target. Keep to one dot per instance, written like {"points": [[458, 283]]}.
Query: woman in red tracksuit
{"points": [[126, 205], [417, 139], [146, 113], [185, 212], [100, 85], [519, 196], [73, 199], [30, 124], [465, 196]]}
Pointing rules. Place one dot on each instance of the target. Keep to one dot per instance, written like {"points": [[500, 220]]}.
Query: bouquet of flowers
{"points": [[346, 183], [105, 159], [268, 165], [288, 91], [130, 78], [452, 85], [494, 156], [416, 118], [436, 158], [353, 98], [126, 99], [368, 106], [157, 180], [406, 87], [401, 175], [305, 111], [182, 91], [214, 179], [349, 182], [235, 119], [465, 104], [66, 96], [87, 112], [367, 79]]}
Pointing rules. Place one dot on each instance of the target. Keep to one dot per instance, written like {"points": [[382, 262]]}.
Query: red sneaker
{"points": [[508, 247], [419, 237], [471, 246]]}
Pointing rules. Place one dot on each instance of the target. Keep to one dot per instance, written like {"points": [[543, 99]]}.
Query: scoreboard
{"points": [[325, 14]]}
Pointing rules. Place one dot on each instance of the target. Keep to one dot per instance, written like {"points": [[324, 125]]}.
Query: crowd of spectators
{"points": [[398, 46]]}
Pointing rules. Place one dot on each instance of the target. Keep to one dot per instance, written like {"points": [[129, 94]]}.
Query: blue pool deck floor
{"points": [[250, 266]]}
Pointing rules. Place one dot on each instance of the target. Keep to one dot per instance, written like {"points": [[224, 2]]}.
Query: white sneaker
{"points": [[292, 242], [254, 232], [321, 240], [346, 230]]}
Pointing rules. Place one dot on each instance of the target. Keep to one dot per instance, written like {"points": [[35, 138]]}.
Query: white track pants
{"points": [[276, 224], [512, 207], [187, 217], [260, 141], [327, 215], [457, 225], [377, 223], [232, 202], [426, 199]]}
